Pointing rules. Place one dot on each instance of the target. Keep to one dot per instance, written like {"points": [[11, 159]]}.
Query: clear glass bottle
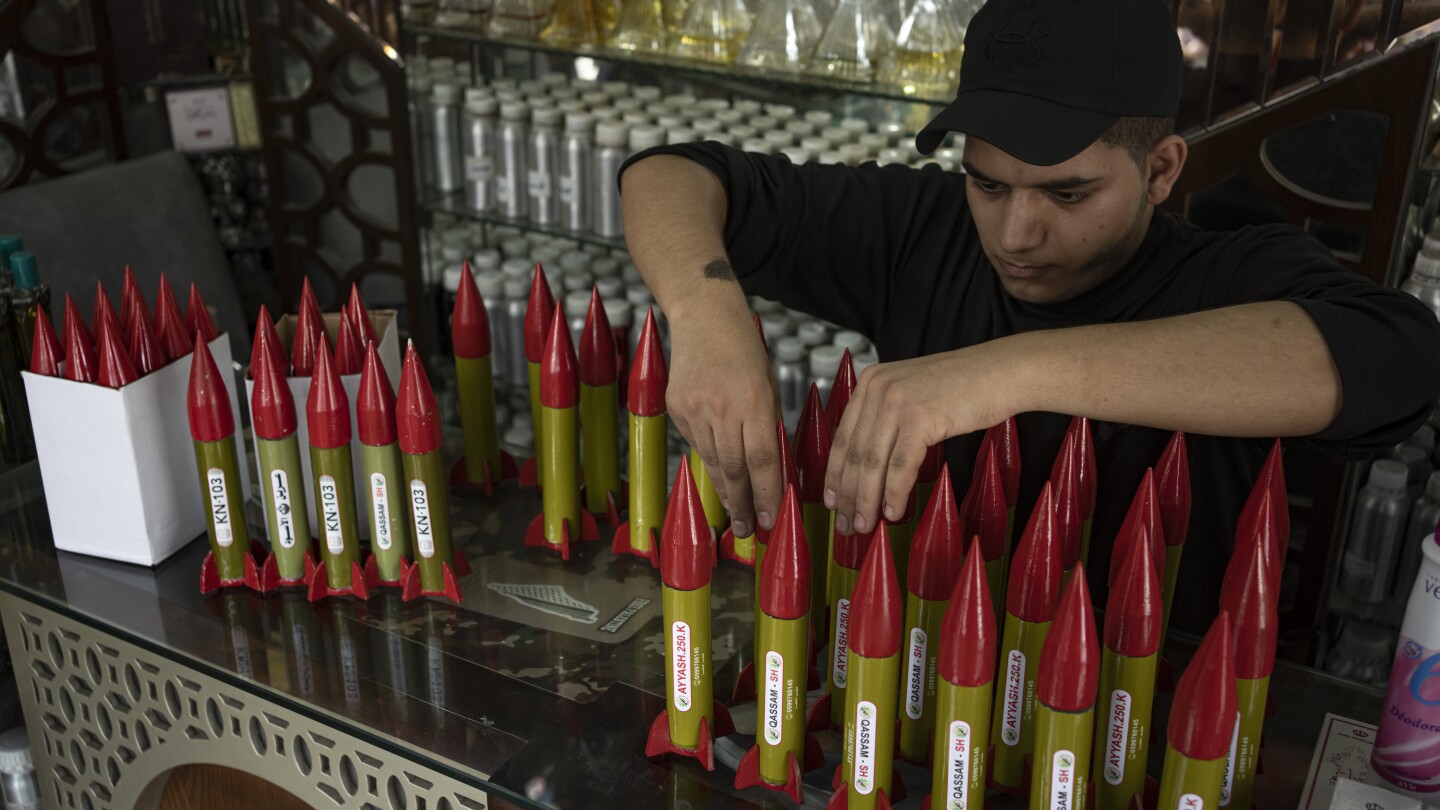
{"points": [[1424, 517], [784, 36], [518, 19], [1424, 279], [712, 31], [855, 43], [926, 58], [573, 24], [641, 27], [1377, 529]]}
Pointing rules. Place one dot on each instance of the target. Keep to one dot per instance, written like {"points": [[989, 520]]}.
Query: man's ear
{"points": [[1162, 167]]}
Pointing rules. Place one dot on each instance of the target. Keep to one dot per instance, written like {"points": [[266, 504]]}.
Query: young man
{"points": [[1045, 281]]}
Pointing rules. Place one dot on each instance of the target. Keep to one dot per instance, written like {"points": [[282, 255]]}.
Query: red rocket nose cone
{"points": [[1134, 613], [785, 571], [272, 408], [104, 311], [1034, 586], [327, 412], [789, 475], [984, 510], [169, 326], [207, 402], [812, 449], [1070, 659], [375, 403], [840, 392], [967, 637], [597, 346], [1085, 440], [1172, 484], [417, 416], [197, 317], [1144, 512], [1281, 503], [145, 350], [360, 318], [1065, 478], [876, 612], [937, 550], [685, 538], [45, 351], [79, 351], [129, 298], [308, 342], [349, 357], [1272, 478], [469, 322], [648, 375], [1202, 718], [1249, 595], [1006, 440], [538, 314], [267, 340], [559, 373], [115, 367]]}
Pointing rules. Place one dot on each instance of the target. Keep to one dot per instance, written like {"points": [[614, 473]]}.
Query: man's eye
{"points": [[1069, 197], [986, 186]]}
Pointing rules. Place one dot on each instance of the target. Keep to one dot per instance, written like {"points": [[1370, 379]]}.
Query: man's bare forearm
{"points": [[674, 213], [1260, 369]]}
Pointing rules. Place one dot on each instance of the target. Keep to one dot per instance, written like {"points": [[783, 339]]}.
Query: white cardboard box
{"points": [[119, 464], [388, 345]]}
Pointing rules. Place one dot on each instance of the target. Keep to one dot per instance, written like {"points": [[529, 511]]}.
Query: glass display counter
{"points": [[537, 691]]}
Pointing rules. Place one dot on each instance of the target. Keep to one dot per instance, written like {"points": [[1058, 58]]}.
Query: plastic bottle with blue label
{"points": [[1407, 743]]}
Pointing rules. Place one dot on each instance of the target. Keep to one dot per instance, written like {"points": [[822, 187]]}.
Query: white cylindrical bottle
{"points": [[1407, 743]]}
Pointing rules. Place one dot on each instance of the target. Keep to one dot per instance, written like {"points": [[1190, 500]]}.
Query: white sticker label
{"points": [[680, 666], [1227, 782], [838, 645], [420, 508], [502, 188], [330, 511], [280, 507], [1014, 696], [479, 168], [380, 509], [220, 506], [866, 718], [957, 767], [1117, 735], [539, 184], [915, 675], [1189, 801], [1062, 780], [567, 190], [774, 696]]}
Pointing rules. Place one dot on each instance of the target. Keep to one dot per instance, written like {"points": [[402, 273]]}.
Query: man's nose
{"points": [[1022, 225]]}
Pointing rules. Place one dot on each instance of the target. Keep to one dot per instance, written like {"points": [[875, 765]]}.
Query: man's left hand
{"points": [[897, 411]]}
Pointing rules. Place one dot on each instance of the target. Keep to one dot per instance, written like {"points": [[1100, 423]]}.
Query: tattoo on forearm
{"points": [[719, 269]]}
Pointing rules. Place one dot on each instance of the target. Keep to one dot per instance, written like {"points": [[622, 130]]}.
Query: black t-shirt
{"points": [[892, 252]]}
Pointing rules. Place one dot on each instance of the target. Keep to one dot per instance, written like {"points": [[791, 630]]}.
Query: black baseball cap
{"points": [[1044, 79]]}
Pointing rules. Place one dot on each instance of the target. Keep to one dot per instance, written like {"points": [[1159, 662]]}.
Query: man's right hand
{"points": [[721, 393], [722, 397]]}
